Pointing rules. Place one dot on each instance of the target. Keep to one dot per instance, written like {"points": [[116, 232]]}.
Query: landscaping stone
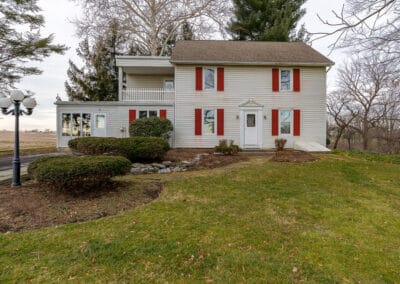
{"points": [[136, 171], [160, 166], [165, 167], [164, 171]]}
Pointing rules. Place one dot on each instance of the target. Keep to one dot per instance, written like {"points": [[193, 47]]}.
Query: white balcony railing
{"points": [[148, 95]]}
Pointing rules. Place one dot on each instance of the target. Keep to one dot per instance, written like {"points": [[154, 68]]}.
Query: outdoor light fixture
{"points": [[15, 98]]}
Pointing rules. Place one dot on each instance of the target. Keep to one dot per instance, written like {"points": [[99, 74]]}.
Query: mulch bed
{"points": [[33, 206], [293, 156]]}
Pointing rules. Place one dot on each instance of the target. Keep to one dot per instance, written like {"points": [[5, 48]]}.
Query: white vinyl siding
{"points": [[241, 84], [117, 117], [147, 81]]}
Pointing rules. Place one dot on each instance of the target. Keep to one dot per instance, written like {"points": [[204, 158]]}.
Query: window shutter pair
{"points": [[132, 114], [275, 80], [220, 79], [198, 122], [275, 122]]}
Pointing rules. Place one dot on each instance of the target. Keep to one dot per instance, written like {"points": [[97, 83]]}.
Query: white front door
{"points": [[250, 128], [100, 125]]}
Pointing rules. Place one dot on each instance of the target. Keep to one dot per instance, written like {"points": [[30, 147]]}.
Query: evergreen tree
{"points": [[21, 40], [97, 80], [266, 20]]}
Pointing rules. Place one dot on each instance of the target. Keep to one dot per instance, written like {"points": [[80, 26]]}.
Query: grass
{"points": [[334, 220], [29, 151]]}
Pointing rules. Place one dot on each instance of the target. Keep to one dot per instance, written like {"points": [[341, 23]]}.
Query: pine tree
{"points": [[265, 20], [21, 40], [98, 79]]}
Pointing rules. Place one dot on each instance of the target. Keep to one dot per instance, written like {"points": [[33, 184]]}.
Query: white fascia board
{"points": [[230, 63], [143, 61]]}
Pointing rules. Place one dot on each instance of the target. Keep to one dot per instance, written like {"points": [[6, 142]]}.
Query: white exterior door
{"points": [[100, 125], [251, 128]]}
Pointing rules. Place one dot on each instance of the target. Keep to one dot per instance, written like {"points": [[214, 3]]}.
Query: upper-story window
{"points": [[286, 82], [169, 85], [209, 78]]}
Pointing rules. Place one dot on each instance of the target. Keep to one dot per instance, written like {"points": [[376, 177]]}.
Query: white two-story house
{"points": [[248, 92]]}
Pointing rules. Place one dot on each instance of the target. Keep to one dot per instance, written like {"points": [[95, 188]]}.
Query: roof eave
{"points": [[306, 64]]}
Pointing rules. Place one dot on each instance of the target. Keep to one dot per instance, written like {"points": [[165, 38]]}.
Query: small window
{"points": [[285, 121], [251, 120], [66, 124], [169, 85], [100, 121], [209, 121], [153, 113], [285, 80], [209, 78], [142, 113]]}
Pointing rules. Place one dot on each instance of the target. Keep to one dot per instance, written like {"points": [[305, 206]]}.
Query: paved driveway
{"points": [[6, 164]]}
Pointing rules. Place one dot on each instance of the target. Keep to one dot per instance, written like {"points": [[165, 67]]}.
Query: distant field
{"points": [[28, 140]]}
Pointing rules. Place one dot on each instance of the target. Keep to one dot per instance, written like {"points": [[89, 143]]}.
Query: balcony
{"points": [[148, 95]]}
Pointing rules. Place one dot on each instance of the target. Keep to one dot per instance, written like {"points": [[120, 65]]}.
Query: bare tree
{"points": [[365, 25], [339, 109], [150, 25], [366, 80]]}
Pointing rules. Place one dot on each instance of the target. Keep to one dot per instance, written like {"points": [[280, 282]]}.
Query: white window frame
{"points": [[291, 79], [291, 123], [204, 78], [148, 112], [169, 80], [215, 121], [80, 126]]}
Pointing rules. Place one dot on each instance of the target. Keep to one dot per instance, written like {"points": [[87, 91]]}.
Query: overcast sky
{"points": [[58, 15]]}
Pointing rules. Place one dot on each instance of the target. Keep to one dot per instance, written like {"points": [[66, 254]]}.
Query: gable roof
{"points": [[247, 53]]}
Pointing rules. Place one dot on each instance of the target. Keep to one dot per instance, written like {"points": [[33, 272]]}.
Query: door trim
{"points": [[94, 123], [258, 111]]}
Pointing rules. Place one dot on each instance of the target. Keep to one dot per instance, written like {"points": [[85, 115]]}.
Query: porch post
{"points": [[120, 75]]}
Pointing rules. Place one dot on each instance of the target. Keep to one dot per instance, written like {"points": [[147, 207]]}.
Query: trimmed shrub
{"points": [[136, 149], [280, 144], [151, 127], [78, 174], [227, 147]]}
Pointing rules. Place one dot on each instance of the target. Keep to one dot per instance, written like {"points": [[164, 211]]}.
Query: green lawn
{"points": [[334, 220]]}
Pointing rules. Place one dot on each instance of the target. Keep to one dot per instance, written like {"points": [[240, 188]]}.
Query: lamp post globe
{"points": [[15, 98], [17, 95], [5, 102]]}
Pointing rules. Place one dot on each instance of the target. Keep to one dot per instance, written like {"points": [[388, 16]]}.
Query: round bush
{"points": [[78, 174], [136, 149], [151, 127]]}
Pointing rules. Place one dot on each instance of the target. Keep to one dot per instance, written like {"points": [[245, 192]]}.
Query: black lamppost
{"points": [[16, 97]]}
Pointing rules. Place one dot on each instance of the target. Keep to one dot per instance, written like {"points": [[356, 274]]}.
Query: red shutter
{"points": [[275, 122], [197, 121], [296, 80], [220, 79], [163, 113], [296, 122], [199, 78], [220, 122], [275, 80], [132, 115]]}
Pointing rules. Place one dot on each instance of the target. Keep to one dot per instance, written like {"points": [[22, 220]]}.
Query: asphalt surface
{"points": [[6, 163]]}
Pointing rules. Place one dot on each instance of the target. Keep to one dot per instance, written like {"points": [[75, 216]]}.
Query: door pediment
{"points": [[251, 103]]}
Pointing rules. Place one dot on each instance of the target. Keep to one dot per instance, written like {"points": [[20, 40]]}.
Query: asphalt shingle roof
{"points": [[247, 53]]}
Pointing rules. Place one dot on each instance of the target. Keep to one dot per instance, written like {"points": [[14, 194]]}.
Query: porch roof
{"points": [[145, 65]]}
